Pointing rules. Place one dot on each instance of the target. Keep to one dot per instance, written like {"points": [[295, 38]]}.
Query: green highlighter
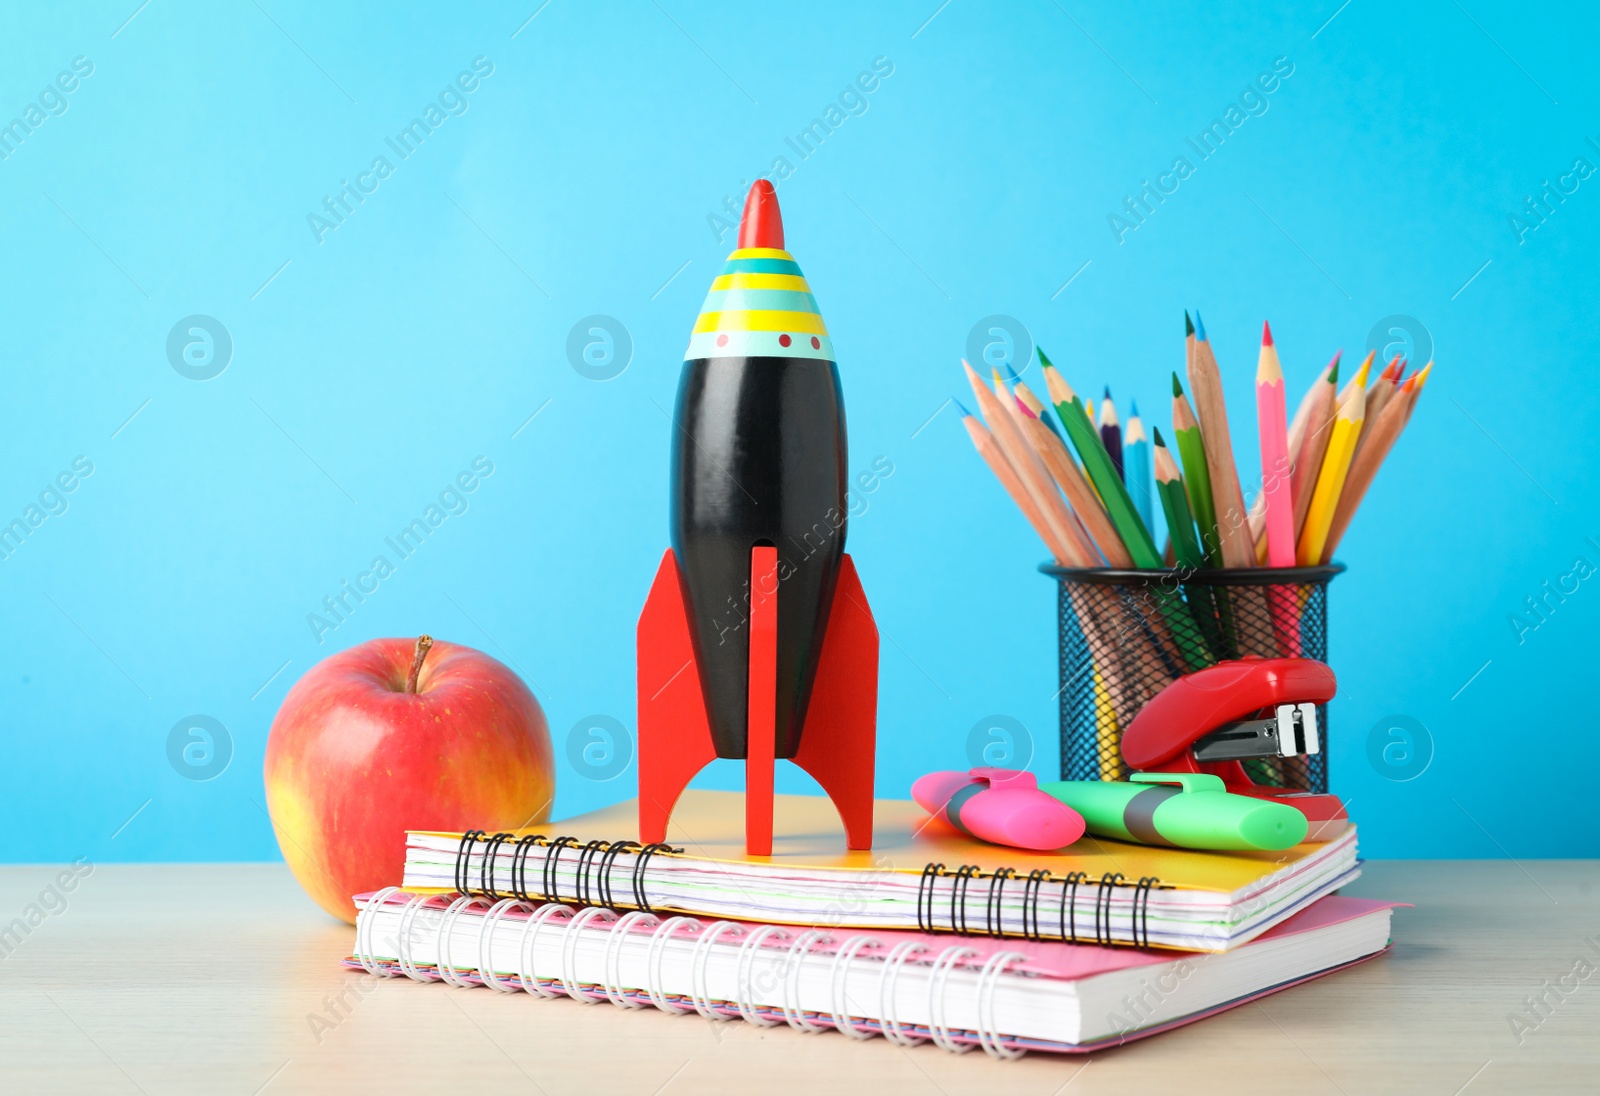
{"points": [[1182, 810]]}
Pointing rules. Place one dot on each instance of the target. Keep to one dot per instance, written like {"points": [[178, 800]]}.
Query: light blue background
{"points": [[428, 328]]}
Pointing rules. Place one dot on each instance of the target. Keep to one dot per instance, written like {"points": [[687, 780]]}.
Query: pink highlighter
{"points": [[1000, 806]]}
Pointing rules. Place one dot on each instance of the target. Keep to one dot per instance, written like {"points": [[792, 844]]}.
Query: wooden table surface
{"points": [[225, 979]]}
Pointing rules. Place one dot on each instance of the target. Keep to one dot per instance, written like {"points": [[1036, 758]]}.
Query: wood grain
{"points": [[176, 979]]}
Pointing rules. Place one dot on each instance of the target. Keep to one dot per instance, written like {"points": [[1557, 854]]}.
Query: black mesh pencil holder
{"points": [[1126, 635]]}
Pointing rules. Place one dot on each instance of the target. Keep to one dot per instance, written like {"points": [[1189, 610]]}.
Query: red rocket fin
{"points": [[762, 224]]}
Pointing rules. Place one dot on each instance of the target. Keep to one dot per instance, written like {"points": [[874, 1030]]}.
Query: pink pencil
{"points": [[1275, 469]]}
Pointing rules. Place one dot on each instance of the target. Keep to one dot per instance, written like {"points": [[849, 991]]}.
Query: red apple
{"points": [[398, 735]]}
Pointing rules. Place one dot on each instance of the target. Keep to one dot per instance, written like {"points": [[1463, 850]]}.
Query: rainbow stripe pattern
{"points": [[760, 306]]}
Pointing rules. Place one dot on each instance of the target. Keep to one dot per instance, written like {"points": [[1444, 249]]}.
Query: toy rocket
{"points": [[758, 458]]}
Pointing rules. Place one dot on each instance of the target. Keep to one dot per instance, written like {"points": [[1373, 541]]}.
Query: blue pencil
{"points": [[1136, 474]]}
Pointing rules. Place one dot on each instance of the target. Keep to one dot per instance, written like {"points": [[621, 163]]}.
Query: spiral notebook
{"points": [[921, 874], [1005, 996]]}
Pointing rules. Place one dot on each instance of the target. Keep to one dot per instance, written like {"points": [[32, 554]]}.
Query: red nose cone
{"points": [[762, 224]]}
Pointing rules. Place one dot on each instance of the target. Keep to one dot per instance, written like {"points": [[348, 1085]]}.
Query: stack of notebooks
{"points": [[930, 936]]}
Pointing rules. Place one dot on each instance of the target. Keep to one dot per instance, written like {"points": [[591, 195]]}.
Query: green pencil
{"points": [[1196, 476], [1185, 545], [1175, 504], [1101, 472], [1119, 506]]}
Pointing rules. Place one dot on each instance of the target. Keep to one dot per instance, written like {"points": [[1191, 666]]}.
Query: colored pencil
{"points": [[1175, 504], [1098, 467], [1136, 469], [1313, 444], [1297, 435], [1033, 403], [1273, 427], [1379, 393], [1080, 496], [1111, 433], [1196, 473], [989, 449], [1369, 457], [1360, 379], [1205, 381], [1313, 396], [1335, 466], [1097, 464], [1068, 540]]}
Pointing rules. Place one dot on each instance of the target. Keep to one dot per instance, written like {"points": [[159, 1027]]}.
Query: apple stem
{"points": [[423, 643]]}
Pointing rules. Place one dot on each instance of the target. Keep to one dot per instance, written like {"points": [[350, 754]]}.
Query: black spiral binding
{"points": [[639, 899], [609, 861], [1148, 883], [1030, 902], [519, 865], [486, 869], [1069, 904], [1102, 897], [594, 876], [1033, 890], [550, 889], [930, 873], [586, 864], [958, 896], [992, 909], [463, 856]]}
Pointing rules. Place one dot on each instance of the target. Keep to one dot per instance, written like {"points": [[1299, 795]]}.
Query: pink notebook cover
{"points": [[1056, 960]]}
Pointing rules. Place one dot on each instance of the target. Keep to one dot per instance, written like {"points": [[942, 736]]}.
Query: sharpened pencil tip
{"points": [[1177, 386], [1333, 372], [1266, 333], [1135, 406], [1014, 378], [1044, 359], [1108, 392], [1199, 326], [1156, 433], [961, 407], [1188, 324]]}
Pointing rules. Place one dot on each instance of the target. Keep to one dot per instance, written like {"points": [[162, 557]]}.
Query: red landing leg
{"points": [[838, 740]]}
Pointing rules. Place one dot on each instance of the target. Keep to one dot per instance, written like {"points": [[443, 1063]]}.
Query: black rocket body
{"points": [[758, 458]]}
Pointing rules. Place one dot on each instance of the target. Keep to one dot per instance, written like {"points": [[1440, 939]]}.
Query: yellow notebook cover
{"points": [[807, 834]]}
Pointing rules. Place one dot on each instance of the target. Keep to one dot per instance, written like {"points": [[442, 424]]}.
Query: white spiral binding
{"points": [[403, 942], [988, 979], [938, 988], [486, 972], [527, 977], [748, 951], [886, 983], [652, 963], [838, 975], [793, 961], [366, 953], [620, 932], [442, 947], [569, 953], [699, 995]]}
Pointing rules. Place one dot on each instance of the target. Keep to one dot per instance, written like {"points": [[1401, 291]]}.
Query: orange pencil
{"points": [[989, 450], [1068, 535], [1313, 444], [1369, 458], [1205, 382]]}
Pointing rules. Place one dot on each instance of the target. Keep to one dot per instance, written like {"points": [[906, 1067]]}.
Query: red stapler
{"points": [[1211, 720]]}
